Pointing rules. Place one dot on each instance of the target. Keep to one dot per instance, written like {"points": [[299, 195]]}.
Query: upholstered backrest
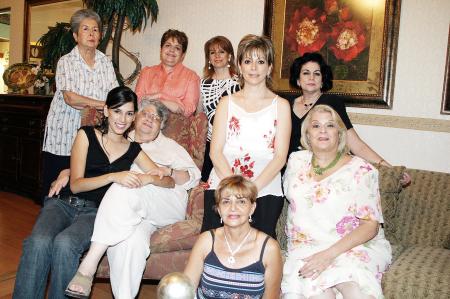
{"points": [[189, 132], [423, 213]]}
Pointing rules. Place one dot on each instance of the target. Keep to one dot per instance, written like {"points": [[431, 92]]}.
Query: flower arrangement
{"points": [[335, 28], [42, 81]]}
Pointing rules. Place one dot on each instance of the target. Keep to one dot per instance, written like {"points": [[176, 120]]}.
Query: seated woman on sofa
{"points": [[100, 156], [335, 242], [236, 260], [127, 217]]}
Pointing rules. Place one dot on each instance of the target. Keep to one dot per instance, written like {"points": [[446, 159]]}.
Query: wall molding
{"points": [[402, 122]]}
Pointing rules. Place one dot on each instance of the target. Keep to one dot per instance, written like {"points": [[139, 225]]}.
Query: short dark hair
{"points": [[325, 70], [180, 36]]}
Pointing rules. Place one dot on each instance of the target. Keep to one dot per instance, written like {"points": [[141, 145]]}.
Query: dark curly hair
{"points": [[325, 70]]}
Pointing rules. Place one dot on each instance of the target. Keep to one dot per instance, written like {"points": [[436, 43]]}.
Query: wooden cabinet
{"points": [[22, 124]]}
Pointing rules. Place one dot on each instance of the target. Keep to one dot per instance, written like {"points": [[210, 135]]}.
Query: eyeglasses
{"points": [[152, 116]]}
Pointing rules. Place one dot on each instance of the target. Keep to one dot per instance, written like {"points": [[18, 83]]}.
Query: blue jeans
{"points": [[61, 234]]}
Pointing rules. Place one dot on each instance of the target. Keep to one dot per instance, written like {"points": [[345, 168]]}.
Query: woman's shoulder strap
{"points": [[211, 231], [264, 247]]}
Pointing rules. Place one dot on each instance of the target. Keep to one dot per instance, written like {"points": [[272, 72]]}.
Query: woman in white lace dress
{"points": [[219, 79], [336, 246]]}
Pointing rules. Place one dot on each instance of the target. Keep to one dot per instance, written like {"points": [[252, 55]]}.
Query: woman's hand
{"points": [[58, 184], [316, 264], [405, 180], [161, 171], [127, 179]]}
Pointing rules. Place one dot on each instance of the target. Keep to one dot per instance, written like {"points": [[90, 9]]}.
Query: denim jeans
{"points": [[61, 234]]}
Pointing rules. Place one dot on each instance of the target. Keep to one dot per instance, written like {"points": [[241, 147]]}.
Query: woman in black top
{"points": [[100, 156], [313, 76]]}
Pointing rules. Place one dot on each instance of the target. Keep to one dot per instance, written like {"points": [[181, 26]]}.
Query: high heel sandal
{"points": [[83, 281]]}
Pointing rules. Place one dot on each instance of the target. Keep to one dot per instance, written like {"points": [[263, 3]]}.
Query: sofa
{"points": [[171, 245], [417, 224]]}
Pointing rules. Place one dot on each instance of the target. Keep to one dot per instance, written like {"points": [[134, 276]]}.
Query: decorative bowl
{"points": [[19, 76]]}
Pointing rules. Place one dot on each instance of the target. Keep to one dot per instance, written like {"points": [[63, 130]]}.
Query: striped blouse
{"points": [[219, 281], [73, 74]]}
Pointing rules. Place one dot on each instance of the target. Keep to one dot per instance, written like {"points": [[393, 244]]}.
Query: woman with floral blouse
{"points": [[336, 246]]}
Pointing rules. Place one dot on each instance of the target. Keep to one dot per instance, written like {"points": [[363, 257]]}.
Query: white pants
{"points": [[125, 221]]}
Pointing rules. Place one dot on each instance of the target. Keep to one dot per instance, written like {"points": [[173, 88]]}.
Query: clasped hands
{"points": [[316, 264]]}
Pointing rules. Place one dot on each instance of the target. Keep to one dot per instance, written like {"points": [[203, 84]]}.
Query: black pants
{"points": [[265, 217], [51, 167], [207, 163]]}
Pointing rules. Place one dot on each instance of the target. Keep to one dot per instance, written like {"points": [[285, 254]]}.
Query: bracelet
{"points": [[379, 163], [171, 172]]}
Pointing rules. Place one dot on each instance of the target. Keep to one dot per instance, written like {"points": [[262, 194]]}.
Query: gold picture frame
{"points": [[363, 65], [445, 106]]}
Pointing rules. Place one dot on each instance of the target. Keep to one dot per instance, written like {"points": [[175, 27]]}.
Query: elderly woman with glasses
{"points": [[127, 217]]}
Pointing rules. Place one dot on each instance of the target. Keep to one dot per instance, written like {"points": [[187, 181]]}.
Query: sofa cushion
{"points": [[419, 272], [424, 209], [189, 132], [390, 187], [178, 236]]}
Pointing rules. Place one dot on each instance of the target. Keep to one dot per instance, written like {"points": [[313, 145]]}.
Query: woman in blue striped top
{"points": [[237, 261]]}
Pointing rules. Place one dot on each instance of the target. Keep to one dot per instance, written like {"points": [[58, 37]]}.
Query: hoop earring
{"points": [[209, 65], [250, 218]]}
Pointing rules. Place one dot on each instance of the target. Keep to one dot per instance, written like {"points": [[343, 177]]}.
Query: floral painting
{"points": [[356, 38]]}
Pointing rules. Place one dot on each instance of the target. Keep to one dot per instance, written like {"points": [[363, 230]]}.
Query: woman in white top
{"points": [[251, 136], [219, 79], [83, 78]]}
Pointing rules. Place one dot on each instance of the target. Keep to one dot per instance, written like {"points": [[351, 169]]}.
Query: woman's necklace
{"points": [[231, 260], [309, 105], [320, 170]]}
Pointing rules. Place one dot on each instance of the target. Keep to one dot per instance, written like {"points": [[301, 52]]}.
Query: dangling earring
{"points": [[229, 60], [209, 65], [250, 218], [221, 221]]}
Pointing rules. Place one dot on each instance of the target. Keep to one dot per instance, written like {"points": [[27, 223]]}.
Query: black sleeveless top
{"points": [[219, 281], [97, 163]]}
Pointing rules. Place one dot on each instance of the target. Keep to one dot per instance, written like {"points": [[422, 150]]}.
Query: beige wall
{"points": [[418, 81]]}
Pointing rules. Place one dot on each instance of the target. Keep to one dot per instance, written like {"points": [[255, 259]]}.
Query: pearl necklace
{"points": [[231, 260]]}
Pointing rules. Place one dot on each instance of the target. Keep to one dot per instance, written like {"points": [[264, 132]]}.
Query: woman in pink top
{"points": [[171, 82]]}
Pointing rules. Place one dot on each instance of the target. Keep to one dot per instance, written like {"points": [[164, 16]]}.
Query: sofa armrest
{"points": [[178, 236]]}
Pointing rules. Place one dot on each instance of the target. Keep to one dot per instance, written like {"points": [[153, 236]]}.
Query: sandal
{"points": [[83, 281]]}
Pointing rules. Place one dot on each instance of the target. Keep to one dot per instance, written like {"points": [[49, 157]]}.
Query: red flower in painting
{"points": [[348, 40], [345, 14], [307, 31]]}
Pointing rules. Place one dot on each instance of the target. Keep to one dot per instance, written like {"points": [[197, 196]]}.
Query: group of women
{"points": [[336, 244]]}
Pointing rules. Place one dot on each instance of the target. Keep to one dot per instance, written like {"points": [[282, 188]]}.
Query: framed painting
{"points": [[445, 107], [358, 39]]}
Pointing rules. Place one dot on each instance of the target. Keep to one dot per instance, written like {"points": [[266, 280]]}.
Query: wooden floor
{"points": [[17, 216]]}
